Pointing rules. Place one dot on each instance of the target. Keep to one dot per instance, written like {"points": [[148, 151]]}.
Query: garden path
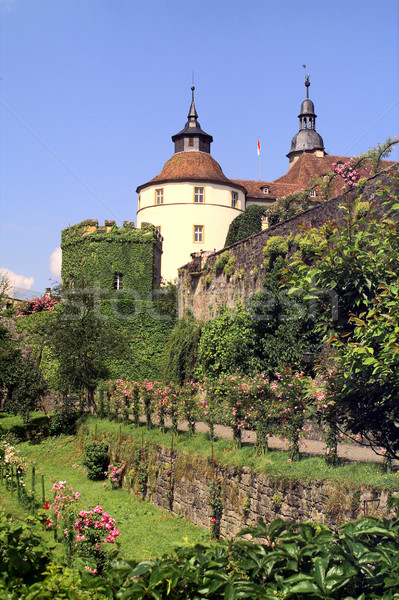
{"points": [[351, 452]]}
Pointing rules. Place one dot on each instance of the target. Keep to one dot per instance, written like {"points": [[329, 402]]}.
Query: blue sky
{"points": [[92, 90]]}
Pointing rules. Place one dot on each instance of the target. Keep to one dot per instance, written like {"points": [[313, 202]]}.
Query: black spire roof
{"points": [[307, 139], [192, 137]]}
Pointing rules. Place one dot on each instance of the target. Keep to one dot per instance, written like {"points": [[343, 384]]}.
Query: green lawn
{"points": [[145, 530]]}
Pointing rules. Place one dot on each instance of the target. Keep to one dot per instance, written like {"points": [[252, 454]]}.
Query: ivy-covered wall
{"points": [[92, 254]]}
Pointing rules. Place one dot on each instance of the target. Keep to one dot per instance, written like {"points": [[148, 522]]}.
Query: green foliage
{"points": [[229, 267], [28, 388], [23, 555], [227, 344], [222, 261], [95, 458], [181, 349], [367, 383], [95, 256], [284, 325], [246, 224], [82, 344], [276, 246], [64, 418], [289, 560]]}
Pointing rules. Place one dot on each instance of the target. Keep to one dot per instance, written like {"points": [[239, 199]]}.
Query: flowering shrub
{"points": [[95, 458], [348, 172], [63, 513], [189, 403], [147, 390], [14, 470], [289, 408], [115, 473], [323, 408], [29, 307], [93, 528]]}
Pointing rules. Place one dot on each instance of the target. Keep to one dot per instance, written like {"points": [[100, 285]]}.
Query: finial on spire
{"points": [[307, 84], [192, 115]]}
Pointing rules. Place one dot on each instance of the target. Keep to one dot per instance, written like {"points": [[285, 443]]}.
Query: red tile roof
{"points": [[301, 173], [191, 166]]}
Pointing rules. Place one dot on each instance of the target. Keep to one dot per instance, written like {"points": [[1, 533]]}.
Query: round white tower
{"points": [[191, 202]]}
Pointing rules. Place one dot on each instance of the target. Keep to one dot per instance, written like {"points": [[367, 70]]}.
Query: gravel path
{"points": [[351, 452]]}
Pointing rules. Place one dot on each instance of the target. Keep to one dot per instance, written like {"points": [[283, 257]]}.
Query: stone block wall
{"points": [[181, 485], [202, 290]]}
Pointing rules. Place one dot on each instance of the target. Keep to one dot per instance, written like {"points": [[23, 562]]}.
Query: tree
{"points": [[228, 344], [83, 341], [368, 375], [180, 355], [283, 324]]}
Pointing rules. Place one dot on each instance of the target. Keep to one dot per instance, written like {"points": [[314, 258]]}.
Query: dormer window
{"points": [[118, 284], [313, 194], [266, 190]]}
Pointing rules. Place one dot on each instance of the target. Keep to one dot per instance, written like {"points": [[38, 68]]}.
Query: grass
{"points": [[274, 464], [145, 530]]}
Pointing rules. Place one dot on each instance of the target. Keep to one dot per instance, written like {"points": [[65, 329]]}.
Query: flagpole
{"points": [[259, 157]]}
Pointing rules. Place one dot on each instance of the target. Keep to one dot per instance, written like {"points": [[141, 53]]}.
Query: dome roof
{"points": [[305, 140], [307, 107], [190, 166]]}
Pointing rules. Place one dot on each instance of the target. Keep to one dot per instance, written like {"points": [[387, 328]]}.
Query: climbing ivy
{"points": [[246, 224]]}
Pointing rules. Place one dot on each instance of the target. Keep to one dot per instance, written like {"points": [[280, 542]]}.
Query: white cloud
{"points": [[55, 262], [17, 281]]}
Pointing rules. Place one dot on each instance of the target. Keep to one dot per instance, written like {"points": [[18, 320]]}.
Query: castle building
{"points": [[192, 203]]}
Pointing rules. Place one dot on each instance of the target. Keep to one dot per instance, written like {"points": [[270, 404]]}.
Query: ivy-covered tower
{"points": [[112, 258]]}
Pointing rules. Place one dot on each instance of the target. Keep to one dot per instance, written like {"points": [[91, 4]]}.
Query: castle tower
{"points": [[307, 139], [191, 202]]}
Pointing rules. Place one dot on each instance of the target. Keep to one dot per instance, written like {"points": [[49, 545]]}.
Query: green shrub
{"points": [[230, 266], [95, 458], [64, 418], [23, 555], [222, 261], [276, 246]]}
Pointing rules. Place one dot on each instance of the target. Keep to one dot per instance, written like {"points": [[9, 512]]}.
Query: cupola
{"points": [[307, 139], [192, 138]]}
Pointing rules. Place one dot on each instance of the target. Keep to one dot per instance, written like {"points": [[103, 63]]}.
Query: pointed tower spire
{"points": [[192, 138], [192, 114]]}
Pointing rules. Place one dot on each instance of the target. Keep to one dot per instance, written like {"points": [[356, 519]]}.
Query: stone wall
{"points": [[202, 290], [181, 485]]}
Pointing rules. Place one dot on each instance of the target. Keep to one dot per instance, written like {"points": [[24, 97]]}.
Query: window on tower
{"points": [[198, 233], [234, 199], [159, 196], [198, 194], [118, 283]]}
